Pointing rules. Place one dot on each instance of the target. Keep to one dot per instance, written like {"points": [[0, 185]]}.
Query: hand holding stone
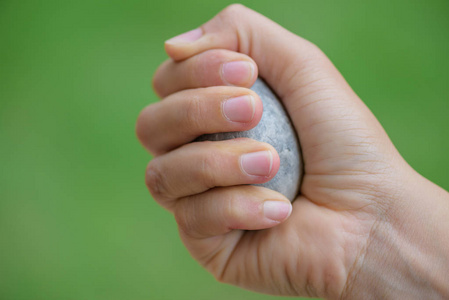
{"points": [[364, 226]]}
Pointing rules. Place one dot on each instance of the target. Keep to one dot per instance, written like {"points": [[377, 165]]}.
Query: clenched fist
{"points": [[365, 226]]}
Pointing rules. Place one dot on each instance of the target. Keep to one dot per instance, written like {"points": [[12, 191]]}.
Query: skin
{"points": [[365, 226]]}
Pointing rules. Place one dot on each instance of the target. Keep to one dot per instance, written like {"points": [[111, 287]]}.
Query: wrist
{"points": [[407, 253]]}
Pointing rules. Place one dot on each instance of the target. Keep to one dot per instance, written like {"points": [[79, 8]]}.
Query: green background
{"points": [[76, 220]]}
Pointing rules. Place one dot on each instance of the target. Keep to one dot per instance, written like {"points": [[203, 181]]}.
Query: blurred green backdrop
{"points": [[76, 221]]}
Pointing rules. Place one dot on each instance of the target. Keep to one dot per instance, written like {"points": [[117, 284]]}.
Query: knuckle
{"points": [[181, 218], [158, 78], [312, 57], [233, 9], [234, 212], [143, 128], [156, 84], [139, 127], [154, 180], [315, 52], [193, 115], [184, 217], [206, 170], [232, 14]]}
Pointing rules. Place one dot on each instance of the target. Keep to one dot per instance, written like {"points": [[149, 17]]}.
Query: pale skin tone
{"points": [[366, 225]]}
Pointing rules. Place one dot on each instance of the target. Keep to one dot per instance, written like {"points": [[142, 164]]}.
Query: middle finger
{"points": [[185, 115]]}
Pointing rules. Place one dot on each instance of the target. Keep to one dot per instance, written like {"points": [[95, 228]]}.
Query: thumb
{"points": [[325, 111]]}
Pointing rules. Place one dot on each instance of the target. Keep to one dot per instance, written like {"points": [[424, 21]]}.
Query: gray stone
{"points": [[276, 129]]}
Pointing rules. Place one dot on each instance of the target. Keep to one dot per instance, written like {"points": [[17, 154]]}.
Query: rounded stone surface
{"points": [[275, 128]]}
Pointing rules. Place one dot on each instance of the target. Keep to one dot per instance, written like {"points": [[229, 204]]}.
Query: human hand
{"points": [[365, 225]]}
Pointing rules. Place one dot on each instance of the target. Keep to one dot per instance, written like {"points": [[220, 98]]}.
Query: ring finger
{"points": [[197, 167]]}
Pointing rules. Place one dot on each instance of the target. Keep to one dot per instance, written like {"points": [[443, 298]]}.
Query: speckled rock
{"points": [[276, 129]]}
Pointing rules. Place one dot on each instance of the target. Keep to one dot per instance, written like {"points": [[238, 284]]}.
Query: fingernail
{"points": [[257, 163], [186, 37], [239, 109], [237, 72], [276, 210]]}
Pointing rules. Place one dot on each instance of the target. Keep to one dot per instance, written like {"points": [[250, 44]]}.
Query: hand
{"points": [[365, 225]]}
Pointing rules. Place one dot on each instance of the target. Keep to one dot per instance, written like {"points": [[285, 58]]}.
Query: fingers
{"points": [[185, 115], [325, 111], [209, 68], [221, 210], [198, 167], [277, 52]]}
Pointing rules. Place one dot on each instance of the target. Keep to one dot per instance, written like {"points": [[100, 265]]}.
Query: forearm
{"points": [[407, 256]]}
